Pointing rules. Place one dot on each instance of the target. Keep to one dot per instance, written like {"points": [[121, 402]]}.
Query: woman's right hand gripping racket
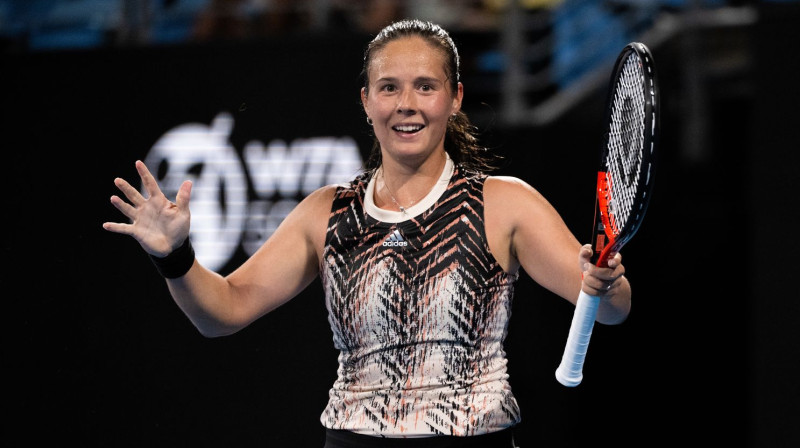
{"points": [[624, 184]]}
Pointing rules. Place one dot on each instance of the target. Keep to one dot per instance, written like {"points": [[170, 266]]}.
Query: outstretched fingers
{"points": [[158, 224], [184, 193], [149, 182], [129, 191], [126, 208], [136, 200], [118, 227]]}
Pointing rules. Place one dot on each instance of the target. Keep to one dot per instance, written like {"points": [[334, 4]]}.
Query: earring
{"points": [[369, 121]]}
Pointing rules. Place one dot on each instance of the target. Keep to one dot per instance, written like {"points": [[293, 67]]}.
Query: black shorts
{"points": [[346, 439]]}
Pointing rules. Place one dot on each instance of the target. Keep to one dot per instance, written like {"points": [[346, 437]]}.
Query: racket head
{"points": [[627, 165]]}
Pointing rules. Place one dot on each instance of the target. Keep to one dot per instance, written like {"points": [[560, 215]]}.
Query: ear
{"points": [[364, 100], [458, 97]]}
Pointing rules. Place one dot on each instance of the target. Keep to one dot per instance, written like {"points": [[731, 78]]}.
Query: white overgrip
{"points": [[570, 371]]}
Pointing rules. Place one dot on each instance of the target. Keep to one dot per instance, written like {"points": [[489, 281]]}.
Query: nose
{"points": [[406, 103]]}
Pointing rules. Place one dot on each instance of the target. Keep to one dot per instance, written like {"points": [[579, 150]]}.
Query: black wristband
{"points": [[177, 263]]}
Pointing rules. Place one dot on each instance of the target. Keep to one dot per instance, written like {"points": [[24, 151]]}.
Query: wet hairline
{"points": [[430, 41]]}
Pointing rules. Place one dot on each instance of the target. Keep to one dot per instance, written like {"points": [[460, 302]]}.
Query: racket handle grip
{"points": [[570, 371]]}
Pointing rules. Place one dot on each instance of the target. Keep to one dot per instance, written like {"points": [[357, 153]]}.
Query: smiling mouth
{"points": [[408, 128]]}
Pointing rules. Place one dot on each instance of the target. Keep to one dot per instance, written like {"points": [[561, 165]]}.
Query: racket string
{"points": [[625, 143]]}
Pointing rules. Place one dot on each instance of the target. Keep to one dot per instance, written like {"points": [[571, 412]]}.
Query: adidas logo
{"points": [[395, 239]]}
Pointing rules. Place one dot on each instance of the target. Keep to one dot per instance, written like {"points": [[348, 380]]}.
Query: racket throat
{"points": [[604, 223]]}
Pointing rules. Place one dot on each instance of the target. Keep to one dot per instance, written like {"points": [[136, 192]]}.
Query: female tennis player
{"points": [[418, 257]]}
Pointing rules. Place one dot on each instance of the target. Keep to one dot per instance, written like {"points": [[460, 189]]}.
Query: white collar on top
{"points": [[423, 204]]}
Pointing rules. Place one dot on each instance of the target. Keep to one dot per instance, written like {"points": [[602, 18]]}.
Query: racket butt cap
{"points": [[563, 376]]}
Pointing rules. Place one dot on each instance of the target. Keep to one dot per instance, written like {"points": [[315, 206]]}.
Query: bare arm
{"points": [[219, 305], [524, 230], [281, 268]]}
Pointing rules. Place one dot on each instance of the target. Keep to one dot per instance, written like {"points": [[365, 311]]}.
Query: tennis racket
{"points": [[624, 184]]}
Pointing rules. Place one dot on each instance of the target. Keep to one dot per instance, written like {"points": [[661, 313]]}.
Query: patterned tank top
{"points": [[419, 311]]}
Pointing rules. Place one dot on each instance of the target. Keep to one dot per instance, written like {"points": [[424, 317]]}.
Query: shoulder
{"points": [[325, 193], [324, 196], [353, 187], [322, 201], [509, 190], [310, 217], [510, 206], [526, 227], [312, 212], [514, 203]]}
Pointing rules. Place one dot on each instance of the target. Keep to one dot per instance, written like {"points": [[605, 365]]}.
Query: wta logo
{"points": [[395, 239], [240, 196]]}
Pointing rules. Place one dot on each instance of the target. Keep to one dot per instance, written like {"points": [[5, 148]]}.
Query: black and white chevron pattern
{"points": [[420, 326]]}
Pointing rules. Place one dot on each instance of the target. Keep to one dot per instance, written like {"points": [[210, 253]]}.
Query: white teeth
{"points": [[408, 128]]}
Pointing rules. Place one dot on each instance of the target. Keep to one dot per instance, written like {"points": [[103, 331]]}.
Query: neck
{"points": [[398, 188]]}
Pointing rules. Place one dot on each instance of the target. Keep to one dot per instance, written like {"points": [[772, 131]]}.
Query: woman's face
{"points": [[409, 99]]}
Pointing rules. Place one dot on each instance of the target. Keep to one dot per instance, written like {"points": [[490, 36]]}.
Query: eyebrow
{"points": [[418, 80]]}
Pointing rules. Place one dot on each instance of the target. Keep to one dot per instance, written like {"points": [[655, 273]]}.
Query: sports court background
{"points": [[96, 353]]}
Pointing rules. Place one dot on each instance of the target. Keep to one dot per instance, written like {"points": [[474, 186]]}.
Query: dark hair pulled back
{"points": [[461, 140]]}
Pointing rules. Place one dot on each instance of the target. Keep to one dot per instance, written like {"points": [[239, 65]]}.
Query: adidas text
{"points": [[395, 239]]}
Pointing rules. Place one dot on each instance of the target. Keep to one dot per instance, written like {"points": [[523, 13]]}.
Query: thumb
{"points": [[584, 256]]}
